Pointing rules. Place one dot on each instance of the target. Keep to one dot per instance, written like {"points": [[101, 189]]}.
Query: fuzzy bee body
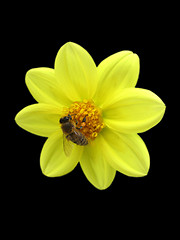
{"points": [[71, 134], [78, 138]]}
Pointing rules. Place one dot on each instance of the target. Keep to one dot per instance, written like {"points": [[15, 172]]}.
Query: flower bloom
{"points": [[105, 107]]}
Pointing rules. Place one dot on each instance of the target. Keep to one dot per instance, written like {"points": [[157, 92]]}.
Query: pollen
{"points": [[86, 117]]}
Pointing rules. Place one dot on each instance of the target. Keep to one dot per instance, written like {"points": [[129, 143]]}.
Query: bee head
{"points": [[65, 119]]}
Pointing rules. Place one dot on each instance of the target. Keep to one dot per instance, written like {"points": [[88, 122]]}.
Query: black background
{"points": [[33, 41]]}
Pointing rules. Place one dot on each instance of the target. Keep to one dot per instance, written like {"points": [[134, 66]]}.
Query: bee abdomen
{"points": [[83, 141], [78, 139]]}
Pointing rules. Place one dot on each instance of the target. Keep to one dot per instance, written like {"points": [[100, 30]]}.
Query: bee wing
{"points": [[67, 145]]}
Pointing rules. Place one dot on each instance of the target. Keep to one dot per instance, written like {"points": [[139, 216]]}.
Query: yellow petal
{"points": [[53, 160], [95, 167], [45, 88], [134, 111], [41, 119], [76, 71], [126, 153], [121, 70]]}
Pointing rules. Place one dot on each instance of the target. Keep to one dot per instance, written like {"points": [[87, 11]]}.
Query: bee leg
{"points": [[68, 137], [84, 119], [69, 116], [79, 127]]}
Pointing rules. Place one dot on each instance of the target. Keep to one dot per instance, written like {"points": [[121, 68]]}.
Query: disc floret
{"points": [[87, 118]]}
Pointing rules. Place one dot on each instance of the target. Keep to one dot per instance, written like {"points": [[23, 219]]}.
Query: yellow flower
{"points": [[103, 106]]}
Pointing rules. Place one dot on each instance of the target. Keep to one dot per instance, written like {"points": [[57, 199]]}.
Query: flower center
{"points": [[86, 117]]}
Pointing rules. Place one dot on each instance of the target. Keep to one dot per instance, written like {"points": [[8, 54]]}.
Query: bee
{"points": [[71, 134]]}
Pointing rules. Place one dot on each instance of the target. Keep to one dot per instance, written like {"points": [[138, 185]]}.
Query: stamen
{"points": [[86, 117]]}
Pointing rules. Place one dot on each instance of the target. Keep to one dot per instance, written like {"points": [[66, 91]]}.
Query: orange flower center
{"points": [[86, 117]]}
